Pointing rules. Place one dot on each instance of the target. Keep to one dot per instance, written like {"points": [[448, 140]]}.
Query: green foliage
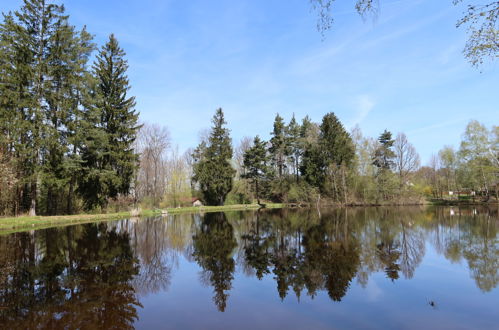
{"points": [[322, 161], [110, 124], [384, 155], [212, 168], [279, 146], [213, 245], [42, 67], [256, 164], [241, 193], [293, 131], [298, 192]]}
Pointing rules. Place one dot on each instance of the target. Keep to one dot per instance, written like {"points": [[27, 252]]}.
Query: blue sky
{"points": [[403, 71]]}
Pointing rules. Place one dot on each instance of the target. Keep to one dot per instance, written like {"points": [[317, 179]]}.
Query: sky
{"points": [[403, 71]]}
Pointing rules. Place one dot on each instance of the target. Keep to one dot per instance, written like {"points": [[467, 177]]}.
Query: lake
{"points": [[356, 268]]}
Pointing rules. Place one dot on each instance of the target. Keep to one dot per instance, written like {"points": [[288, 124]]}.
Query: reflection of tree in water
{"points": [[481, 249], [322, 255], [331, 257], [412, 248], [389, 254], [213, 246], [256, 250], [151, 249], [76, 276], [88, 276], [473, 238]]}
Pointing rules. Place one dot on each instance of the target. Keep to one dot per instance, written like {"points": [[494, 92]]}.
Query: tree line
{"points": [[309, 162]]}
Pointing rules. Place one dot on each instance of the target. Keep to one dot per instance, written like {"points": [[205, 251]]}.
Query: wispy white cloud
{"points": [[364, 104], [374, 292], [437, 126]]}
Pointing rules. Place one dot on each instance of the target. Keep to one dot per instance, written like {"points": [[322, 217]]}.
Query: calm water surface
{"points": [[386, 268]]}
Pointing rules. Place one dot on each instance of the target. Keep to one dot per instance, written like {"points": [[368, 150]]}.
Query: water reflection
{"points": [[213, 244], [79, 276], [94, 276]]}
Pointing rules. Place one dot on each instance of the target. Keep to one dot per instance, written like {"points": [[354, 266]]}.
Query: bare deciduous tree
{"points": [[178, 175], [406, 158], [152, 144], [245, 143]]}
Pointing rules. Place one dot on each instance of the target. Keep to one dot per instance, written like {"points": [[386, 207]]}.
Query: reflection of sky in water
{"points": [[444, 269], [441, 294], [255, 304]]}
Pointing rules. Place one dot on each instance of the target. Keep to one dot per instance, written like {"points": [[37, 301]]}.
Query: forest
{"points": [[72, 141]]}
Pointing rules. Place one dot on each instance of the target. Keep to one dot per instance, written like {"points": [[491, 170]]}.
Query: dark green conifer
{"points": [[110, 126], [295, 151], [384, 155], [256, 164], [334, 149], [38, 64], [279, 148], [212, 168]]}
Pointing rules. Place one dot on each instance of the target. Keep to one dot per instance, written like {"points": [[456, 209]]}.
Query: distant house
{"points": [[197, 202]]}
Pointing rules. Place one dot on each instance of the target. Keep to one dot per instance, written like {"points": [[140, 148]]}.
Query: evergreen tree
{"points": [[41, 56], [384, 155], [324, 162], [70, 52], [279, 148], [255, 164], [293, 135], [384, 160], [212, 168], [335, 141], [110, 124]]}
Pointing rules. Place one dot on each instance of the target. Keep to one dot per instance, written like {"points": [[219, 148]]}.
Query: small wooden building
{"points": [[197, 202]]}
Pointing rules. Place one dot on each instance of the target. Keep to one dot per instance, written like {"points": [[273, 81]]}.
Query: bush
{"points": [[240, 193], [301, 192]]}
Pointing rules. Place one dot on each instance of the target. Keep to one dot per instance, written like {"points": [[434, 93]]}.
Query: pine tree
{"points": [[384, 155], [110, 124], [384, 160], [212, 168], [255, 164]]}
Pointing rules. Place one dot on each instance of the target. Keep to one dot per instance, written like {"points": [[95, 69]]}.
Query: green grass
{"points": [[17, 224]]}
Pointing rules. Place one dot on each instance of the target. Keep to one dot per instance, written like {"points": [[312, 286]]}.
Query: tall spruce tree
{"points": [[279, 148], [37, 62], [256, 164], [212, 168], [110, 124], [67, 69], [293, 137]]}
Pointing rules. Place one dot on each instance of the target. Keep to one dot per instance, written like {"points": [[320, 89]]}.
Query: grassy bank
{"points": [[462, 202], [16, 224]]}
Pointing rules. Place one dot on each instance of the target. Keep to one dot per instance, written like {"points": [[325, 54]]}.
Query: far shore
{"points": [[10, 225]]}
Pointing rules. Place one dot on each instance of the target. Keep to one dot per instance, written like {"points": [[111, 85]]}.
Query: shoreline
{"points": [[10, 225]]}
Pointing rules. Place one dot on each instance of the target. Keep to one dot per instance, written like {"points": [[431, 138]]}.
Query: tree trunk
{"points": [[32, 208], [256, 190]]}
